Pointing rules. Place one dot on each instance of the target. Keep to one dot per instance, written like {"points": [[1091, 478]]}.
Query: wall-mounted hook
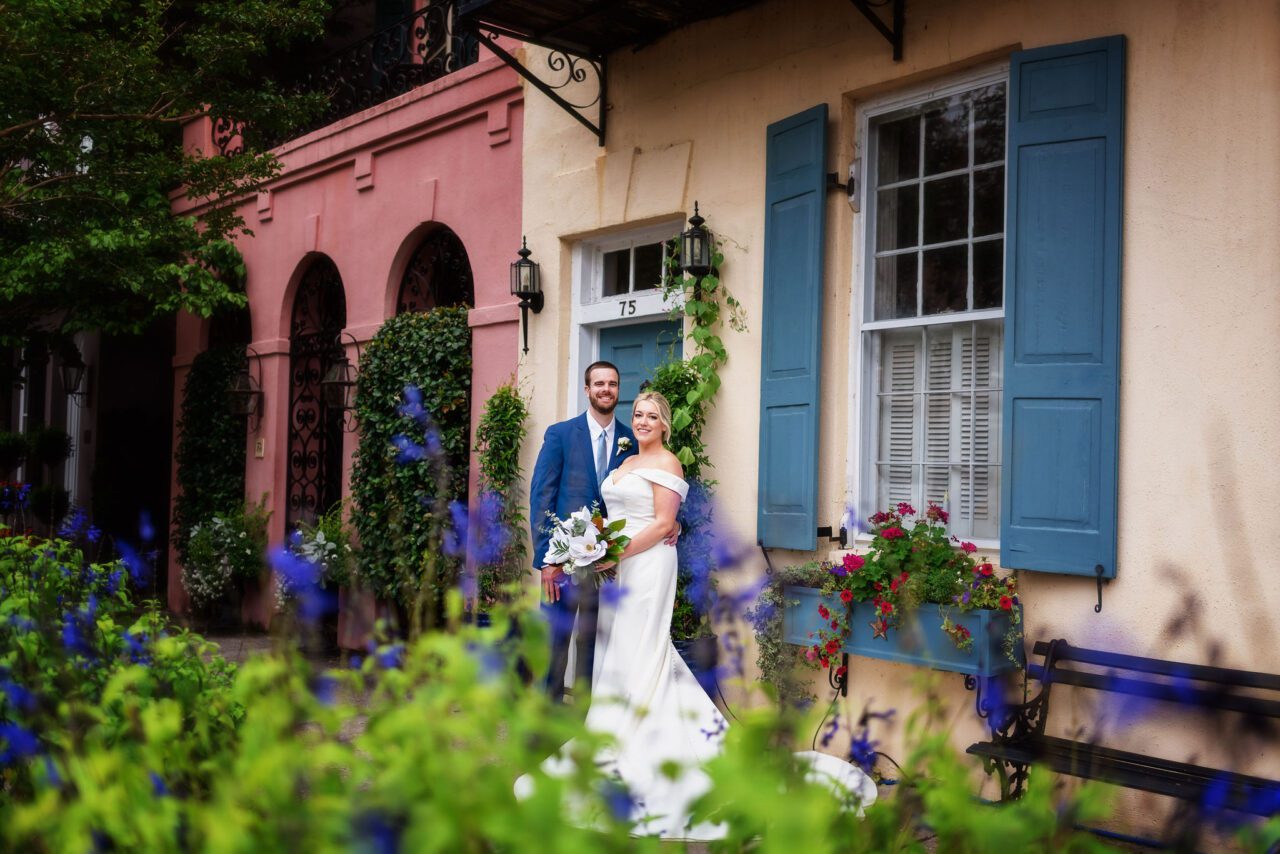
{"points": [[1097, 609]]}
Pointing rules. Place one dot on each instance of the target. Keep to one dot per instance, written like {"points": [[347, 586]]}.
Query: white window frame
{"points": [[591, 311], [863, 438]]}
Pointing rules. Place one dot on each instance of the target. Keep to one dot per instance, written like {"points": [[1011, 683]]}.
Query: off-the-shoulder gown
{"points": [[645, 696]]}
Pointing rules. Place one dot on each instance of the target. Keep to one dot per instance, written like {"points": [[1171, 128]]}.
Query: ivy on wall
{"points": [[211, 445], [499, 435], [405, 473]]}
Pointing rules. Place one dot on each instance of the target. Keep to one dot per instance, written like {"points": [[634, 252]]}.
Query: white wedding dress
{"points": [[645, 696]]}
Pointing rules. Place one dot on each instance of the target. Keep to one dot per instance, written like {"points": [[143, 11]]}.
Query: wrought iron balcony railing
{"points": [[418, 49]]}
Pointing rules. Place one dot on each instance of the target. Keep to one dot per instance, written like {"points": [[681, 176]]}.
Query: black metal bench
{"points": [[1019, 741]]}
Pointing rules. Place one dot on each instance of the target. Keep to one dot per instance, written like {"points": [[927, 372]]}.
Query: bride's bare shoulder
{"points": [[669, 463]]}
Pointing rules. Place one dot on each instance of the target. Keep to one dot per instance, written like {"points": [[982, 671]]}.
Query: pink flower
{"points": [[937, 514], [969, 548], [810, 654], [823, 612], [853, 562], [893, 533], [906, 509]]}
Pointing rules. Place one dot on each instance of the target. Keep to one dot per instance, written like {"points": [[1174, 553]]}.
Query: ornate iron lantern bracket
{"points": [[894, 35], [565, 69]]}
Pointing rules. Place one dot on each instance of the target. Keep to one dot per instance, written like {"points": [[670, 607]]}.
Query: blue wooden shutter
{"points": [[1062, 307], [791, 321]]}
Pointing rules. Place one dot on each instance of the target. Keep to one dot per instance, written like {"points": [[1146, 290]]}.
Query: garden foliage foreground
{"points": [[121, 732]]}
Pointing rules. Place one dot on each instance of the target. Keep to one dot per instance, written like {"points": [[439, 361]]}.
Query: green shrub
{"points": [[401, 504], [49, 446], [211, 445], [499, 436], [50, 503]]}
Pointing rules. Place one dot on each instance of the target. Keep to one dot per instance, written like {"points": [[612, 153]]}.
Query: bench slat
{"points": [[1184, 694], [1241, 792], [1199, 672]]}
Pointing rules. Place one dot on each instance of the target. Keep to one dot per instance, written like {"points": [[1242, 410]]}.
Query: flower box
{"points": [[919, 640]]}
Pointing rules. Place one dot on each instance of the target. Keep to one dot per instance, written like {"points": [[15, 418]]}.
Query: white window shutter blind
{"points": [[939, 417], [900, 362], [979, 371]]}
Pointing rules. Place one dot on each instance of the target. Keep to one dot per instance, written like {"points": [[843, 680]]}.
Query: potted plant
{"points": [[13, 450], [223, 555], [916, 596]]}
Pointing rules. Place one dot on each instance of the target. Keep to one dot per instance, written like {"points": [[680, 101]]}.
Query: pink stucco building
{"points": [[412, 200]]}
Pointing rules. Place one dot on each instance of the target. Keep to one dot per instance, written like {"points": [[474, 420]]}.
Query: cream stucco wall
{"points": [[1200, 340]]}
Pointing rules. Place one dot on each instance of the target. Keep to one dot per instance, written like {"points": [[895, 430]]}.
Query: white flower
{"points": [[587, 549], [624, 444], [557, 547]]}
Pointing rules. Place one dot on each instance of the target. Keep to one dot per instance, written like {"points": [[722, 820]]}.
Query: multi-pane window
{"points": [[934, 317], [631, 269]]}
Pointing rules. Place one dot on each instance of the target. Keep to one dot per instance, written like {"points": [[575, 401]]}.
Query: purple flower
{"points": [[838, 569], [139, 571], [136, 646], [612, 593], [19, 697], [94, 534], [325, 688], [412, 406], [19, 743], [455, 536], [862, 751], [376, 833], [619, 799], [832, 729], [146, 530], [965, 598], [157, 784], [408, 450], [390, 657]]}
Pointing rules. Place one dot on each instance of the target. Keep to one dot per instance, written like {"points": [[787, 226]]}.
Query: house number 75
{"points": [[626, 307]]}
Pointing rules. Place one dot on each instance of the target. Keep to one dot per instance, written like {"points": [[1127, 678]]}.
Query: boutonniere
{"points": [[624, 444]]}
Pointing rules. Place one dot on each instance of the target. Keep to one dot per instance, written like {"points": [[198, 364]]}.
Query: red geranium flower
{"points": [[969, 548], [879, 586], [833, 646], [886, 607], [825, 661], [846, 596], [823, 612], [1006, 603], [986, 570], [906, 509], [853, 562], [841, 670], [893, 533], [835, 624]]}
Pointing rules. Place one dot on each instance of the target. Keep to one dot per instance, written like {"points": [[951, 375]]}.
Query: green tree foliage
{"points": [[93, 96], [211, 445], [401, 500], [499, 436]]}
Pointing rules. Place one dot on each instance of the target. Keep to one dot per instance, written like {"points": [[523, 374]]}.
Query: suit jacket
{"points": [[564, 478]]}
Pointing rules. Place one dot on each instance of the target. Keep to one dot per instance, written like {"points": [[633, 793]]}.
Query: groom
{"points": [[576, 456]]}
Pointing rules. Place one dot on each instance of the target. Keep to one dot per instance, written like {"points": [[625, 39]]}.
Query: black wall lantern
{"points": [[71, 372], [526, 285], [244, 395], [338, 387], [695, 247]]}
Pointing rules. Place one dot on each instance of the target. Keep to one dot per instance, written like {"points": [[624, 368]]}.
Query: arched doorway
{"points": [[314, 461], [438, 274]]}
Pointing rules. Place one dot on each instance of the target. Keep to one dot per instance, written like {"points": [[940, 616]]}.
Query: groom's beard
{"points": [[603, 408]]}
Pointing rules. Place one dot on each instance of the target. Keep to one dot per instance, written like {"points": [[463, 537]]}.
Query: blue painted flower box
{"points": [[918, 640]]}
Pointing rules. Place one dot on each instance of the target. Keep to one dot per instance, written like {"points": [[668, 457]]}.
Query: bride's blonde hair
{"points": [[664, 410]]}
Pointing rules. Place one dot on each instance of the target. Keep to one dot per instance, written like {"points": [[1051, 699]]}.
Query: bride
{"points": [[643, 694]]}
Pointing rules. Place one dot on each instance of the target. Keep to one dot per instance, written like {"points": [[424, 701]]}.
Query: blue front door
{"points": [[637, 350]]}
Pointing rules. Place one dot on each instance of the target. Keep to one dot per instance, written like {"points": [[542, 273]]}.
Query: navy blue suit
{"points": [[564, 480]]}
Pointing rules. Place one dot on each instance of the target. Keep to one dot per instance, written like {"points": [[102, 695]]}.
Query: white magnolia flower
{"points": [[557, 547], [587, 549]]}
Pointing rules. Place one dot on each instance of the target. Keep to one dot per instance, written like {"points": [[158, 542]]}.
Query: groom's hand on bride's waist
{"points": [[551, 576]]}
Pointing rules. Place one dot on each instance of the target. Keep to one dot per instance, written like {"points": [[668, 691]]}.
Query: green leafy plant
{"points": [[225, 552], [211, 445], [50, 503], [49, 446], [909, 564], [704, 302], [780, 662], [327, 544], [401, 499], [499, 435]]}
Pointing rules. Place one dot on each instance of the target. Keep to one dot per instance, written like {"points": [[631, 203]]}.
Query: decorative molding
{"points": [[363, 170], [491, 315], [265, 206], [499, 123], [429, 187], [311, 233]]}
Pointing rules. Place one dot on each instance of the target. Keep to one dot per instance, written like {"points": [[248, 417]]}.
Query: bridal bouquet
{"points": [[585, 538]]}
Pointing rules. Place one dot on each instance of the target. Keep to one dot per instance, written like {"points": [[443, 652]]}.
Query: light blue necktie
{"points": [[602, 458]]}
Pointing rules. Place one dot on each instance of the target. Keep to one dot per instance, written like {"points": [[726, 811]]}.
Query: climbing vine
{"points": [[709, 306]]}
